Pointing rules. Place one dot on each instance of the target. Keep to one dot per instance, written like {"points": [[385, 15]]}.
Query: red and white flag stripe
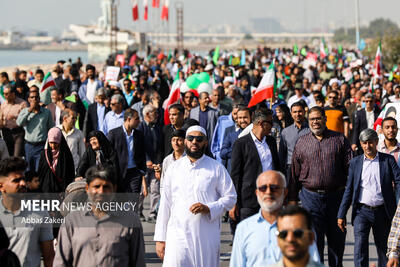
{"points": [[135, 10], [146, 9], [165, 10]]}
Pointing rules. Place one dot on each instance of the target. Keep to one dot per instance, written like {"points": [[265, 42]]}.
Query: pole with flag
{"points": [[146, 9], [377, 67], [135, 10], [266, 88], [322, 51], [165, 10], [48, 81], [216, 55]]}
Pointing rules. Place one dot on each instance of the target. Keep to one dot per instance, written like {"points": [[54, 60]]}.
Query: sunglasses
{"points": [[274, 188], [297, 233], [199, 139], [113, 104]]}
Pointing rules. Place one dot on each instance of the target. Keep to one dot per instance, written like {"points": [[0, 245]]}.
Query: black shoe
{"points": [[151, 219], [142, 218]]}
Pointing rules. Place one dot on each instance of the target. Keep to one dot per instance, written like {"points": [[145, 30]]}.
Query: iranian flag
{"points": [[378, 61], [266, 87], [164, 11], [48, 81], [322, 52], [135, 10], [146, 9], [173, 97]]}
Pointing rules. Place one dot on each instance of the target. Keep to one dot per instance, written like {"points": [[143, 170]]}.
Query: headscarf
{"points": [[54, 136]]}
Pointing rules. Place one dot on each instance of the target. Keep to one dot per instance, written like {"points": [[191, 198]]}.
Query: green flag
{"points": [[303, 52], [340, 49], [71, 98], [216, 55], [392, 73], [177, 75], [230, 60], [295, 49]]}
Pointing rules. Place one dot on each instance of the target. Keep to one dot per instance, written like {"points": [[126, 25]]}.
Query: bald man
{"points": [[255, 242]]}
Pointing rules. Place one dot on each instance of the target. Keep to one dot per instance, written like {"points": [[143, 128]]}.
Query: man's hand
{"points": [[80, 178], [393, 262], [199, 208], [342, 224], [149, 164], [354, 147], [234, 213], [160, 249], [31, 109], [157, 171]]}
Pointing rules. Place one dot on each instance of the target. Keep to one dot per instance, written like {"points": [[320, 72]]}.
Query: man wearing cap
{"points": [[197, 190], [298, 89], [205, 115], [370, 191]]}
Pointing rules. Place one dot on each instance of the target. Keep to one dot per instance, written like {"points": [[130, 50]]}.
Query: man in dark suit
{"points": [[206, 116], [363, 119], [57, 104], [130, 147], [232, 134], [154, 144], [95, 114], [369, 190], [252, 154]]}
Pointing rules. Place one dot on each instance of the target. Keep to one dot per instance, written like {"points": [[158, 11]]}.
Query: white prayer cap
{"points": [[229, 79], [209, 67], [196, 128], [114, 83], [334, 80], [181, 58], [184, 88], [204, 88]]}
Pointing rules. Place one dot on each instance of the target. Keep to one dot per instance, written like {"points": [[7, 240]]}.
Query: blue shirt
{"points": [[129, 142], [217, 141], [112, 121], [100, 116], [256, 244], [129, 97], [203, 118]]}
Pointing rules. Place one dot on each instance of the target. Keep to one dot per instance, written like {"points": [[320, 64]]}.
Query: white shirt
{"points": [[370, 192], [370, 119], [193, 240], [58, 115], [263, 152], [294, 99], [75, 143], [91, 90]]}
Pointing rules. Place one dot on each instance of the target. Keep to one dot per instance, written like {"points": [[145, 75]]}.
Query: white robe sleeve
{"points": [[164, 211], [227, 193]]}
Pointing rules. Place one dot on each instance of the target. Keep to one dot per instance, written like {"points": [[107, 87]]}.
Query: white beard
{"points": [[272, 206]]}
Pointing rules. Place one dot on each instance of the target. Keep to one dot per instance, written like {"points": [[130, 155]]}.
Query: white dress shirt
{"points": [[370, 119], [370, 192], [263, 152]]}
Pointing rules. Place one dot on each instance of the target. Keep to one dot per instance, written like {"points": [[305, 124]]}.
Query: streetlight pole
{"points": [[357, 24]]}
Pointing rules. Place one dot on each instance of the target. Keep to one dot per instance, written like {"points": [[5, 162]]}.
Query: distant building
{"points": [[266, 25]]}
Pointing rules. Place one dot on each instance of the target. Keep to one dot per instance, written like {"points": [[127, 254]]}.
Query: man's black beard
{"points": [[197, 154]]}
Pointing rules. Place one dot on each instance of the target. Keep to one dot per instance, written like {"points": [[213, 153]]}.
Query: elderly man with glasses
{"points": [[114, 118]]}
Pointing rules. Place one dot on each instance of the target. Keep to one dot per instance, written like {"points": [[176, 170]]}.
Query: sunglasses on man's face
{"points": [[297, 233], [273, 187], [199, 139]]}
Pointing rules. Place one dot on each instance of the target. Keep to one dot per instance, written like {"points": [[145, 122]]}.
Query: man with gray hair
{"points": [[363, 119], [370, 191], [114, 118], [96, 112], [255, 242]]}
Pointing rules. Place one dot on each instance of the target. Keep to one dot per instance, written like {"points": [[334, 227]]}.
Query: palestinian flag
{"points": [[48, 81], [266, 87]]}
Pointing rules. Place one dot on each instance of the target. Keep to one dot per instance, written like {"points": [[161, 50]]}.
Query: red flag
{"points": [[156, 3], [164, 11], [146, 9], [135, 10], [265, 89], [378, 61]]}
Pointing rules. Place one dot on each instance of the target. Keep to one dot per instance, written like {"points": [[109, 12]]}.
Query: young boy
{"points": [[32, 182]]}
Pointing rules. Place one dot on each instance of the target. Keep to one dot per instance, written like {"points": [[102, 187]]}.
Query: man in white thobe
{"points": [[197, 191]]}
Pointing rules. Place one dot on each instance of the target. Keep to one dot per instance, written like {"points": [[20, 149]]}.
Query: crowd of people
{"points": [[202, 154]]}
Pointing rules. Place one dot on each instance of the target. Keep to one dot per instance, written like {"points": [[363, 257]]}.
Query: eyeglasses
{"points": [[332, 97], [297, 233], [113, 104], [273, 187], [366, 101], [34, 97], [315, 119], [199, 139]]}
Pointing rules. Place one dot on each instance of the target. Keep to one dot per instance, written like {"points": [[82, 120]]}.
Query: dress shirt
{"points": [[113, 240], [263, 152], [91, 90], [289, 137], [203, 119], [25, 238], [310, 263], [112, 121], [131, 152], [36, 125], [320, 165], [75, 143], [370, 119], [10, 112], [394, 152], [100, 116], [256, 244], [370, 191], [58, 115]]}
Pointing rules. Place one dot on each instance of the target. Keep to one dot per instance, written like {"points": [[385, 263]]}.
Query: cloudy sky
{"points": [[294, 15]]}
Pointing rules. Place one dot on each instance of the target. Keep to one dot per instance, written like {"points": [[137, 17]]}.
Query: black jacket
{"points": [[154, 144], [91, 119], [360, 124], [118, 142], [246, 166]]}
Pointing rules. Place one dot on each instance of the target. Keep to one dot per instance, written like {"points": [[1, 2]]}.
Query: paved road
{"points": [[153, 261]]}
